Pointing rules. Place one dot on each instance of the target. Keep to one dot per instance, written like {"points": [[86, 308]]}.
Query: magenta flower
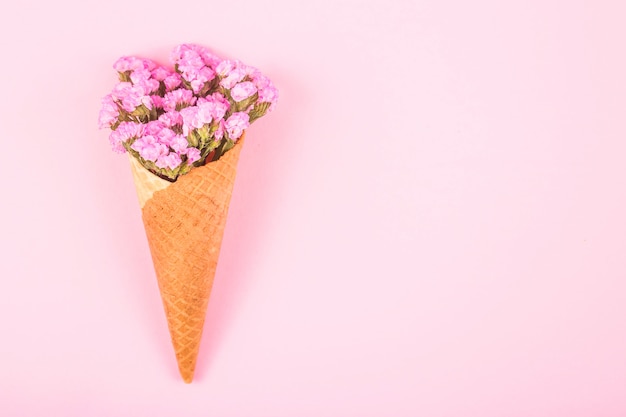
{"points": [[166, 136], [130, 96], [171, 118], [225, 67], [172, 81], [236, 124], [108, 113], [193, 154], [179, 144], [242, 91], [170, 160], [131, 63], [178, 98], [160, 73], [124, 132], [149, 148]]}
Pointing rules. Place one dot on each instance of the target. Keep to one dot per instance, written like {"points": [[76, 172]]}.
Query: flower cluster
{"points": [[174, 120]]}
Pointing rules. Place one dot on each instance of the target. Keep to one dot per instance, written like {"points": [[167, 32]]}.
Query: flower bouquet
{"points": [[183, 129]]}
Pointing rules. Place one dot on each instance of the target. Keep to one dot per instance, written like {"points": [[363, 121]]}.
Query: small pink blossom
{"points": [[170, 160], [124, 132], [166, 136], [131, 63], [233, 77], [108, 113], [143, 78], [193, 154], [172, 81], [268, 94], [130, 96], [179, 144], [236, 124], [242, 91], [171, 118], [157, 101], [225, 67], [153, 127], [178, 98], [160, 73], [149, 148], [219, 132], [195, 117]]}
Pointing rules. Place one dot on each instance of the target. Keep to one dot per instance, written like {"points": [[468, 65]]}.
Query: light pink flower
{"points": [[236, 124], [190, 119], [124, 132], [180, 53], [233, 76], [172, 81], [225, 67], [153, 127], [178, 98], [160, 73], [171, 118], [193, 154], [170, 160], [219, 132], [157, 101], [131, 63], [268, 94], [130, 96], [149, 148], [179, 144], [166, 136], [143, 78], [108, 113], [242, 91], [194, 117]]}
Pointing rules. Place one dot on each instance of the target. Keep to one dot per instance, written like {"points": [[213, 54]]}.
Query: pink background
{"points": [[432, 222]]}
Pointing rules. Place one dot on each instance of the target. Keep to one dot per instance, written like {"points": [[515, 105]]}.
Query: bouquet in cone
{"points": [[183, 130]]}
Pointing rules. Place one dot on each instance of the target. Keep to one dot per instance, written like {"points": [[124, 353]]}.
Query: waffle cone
{"points": [[184, 223]]}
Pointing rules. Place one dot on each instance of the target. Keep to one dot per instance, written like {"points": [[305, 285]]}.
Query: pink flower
{"points": [[219, 132], [193, 154], [131, 63], [225, 67], [195, 117], [166, 136], [170, 160], [124, 132], [172, 81], [149, 148], [179, 144], [233, 78], [190, 119], [108, 113], [143, 78], [171, 118], [181, 52], [153, 127], [157, 101], [268, 94], [178, 98], [160, 73], [130, 96], [212, 108], [242, 91], [236, 124]]}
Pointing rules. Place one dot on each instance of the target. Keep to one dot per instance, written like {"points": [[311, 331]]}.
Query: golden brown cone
{"points": [[184, 223]]}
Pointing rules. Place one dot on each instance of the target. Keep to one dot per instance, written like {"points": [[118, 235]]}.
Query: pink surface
{"points": [[431, 223]]}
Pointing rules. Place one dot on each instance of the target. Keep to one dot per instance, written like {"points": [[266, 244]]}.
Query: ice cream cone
{"points": [[184, 223]]}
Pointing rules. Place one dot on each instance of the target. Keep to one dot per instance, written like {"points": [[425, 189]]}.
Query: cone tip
{"points": [[187, 376]]}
